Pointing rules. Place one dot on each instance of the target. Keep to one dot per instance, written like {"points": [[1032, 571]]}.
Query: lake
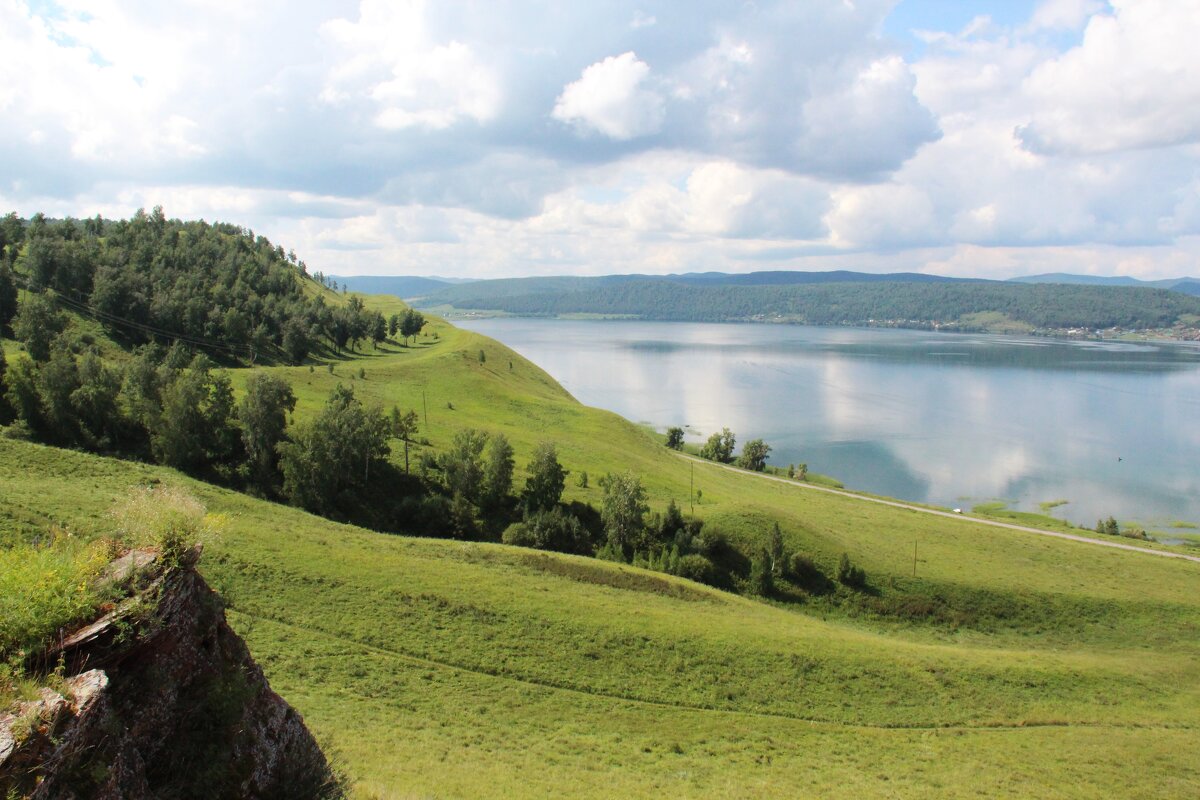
{"points": [[949, 419]]}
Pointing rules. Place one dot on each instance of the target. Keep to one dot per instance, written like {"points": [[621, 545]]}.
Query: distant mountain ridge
{"points": [[403, 286], [841, 298], [1185, 285], [488, 290]]}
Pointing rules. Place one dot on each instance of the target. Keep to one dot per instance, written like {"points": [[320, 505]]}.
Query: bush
{"points": [[802, 571], [761, 581], [708, 542], [518, 535], [550, 530], [850, 575], [697, 568]]}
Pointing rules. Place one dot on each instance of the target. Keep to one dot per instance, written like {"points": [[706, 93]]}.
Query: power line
{"points": [[103, 316]]}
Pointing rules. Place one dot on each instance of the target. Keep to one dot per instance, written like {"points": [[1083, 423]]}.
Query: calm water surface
{"points": [[950, 419]]}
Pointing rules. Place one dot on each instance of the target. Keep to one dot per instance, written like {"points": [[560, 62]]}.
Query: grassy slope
{"points": [[442, 668]]}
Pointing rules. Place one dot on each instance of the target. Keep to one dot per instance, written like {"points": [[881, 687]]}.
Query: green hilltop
{"points": [[1009, 664]]}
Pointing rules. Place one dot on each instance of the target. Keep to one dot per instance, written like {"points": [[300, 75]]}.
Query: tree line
{"points": [[188, 298], [1050, 306], [720, 448]]}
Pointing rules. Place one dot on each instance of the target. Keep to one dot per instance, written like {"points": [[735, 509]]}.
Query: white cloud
{"points": [[642, 20], [609, 97], [1133, 82], [1067, 15], [884, 215], [389, 55], [379, 136]]}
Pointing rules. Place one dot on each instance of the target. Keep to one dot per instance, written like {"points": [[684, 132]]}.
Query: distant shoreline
{"points": [[1166, 335]]}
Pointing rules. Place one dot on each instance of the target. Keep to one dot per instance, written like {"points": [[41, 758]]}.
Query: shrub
{"points": [[761, 581], [697, 568], [802, 571], [550, 530], [850, 575], [517, 535]]}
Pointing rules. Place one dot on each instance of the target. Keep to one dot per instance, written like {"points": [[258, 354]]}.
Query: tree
{"points": [[378, 327], [393, 325], [177, 438], [462, 517], [8, 296], [58, 378], [671, 524], [498, 472], [195, 431], [404, 427], [754, 455], [12, 233], [5, 411], [462, 464], [263, 413], [623, 512], [850, 575], [328, 460], [22, 393], [544, 486], [719, 446], [36, 324], [297, 340], [762, 582], [775, 554], [95, 402], [802, 472], [675, 438], [411, 323]]}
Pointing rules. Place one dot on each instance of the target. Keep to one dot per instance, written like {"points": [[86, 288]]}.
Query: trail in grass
{"points": [[622, 698], [947, 514]]}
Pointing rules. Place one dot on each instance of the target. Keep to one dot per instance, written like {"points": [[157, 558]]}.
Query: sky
{"points": [[982, 138]]}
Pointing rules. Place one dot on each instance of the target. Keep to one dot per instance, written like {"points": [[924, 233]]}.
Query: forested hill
{"points": [[481, 291], [983, 305], [215, 287]]}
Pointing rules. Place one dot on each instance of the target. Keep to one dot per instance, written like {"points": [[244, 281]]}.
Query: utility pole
{"points": [[692, 489]]}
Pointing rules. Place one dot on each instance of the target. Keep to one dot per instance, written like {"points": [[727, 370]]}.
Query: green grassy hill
{"points": [[1011, 665]]}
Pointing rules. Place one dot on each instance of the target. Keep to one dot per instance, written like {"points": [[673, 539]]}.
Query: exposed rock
{"points": [[163, 700]]}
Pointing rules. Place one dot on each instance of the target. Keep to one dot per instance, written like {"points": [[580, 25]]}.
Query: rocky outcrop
{"points": [[160, 699]]}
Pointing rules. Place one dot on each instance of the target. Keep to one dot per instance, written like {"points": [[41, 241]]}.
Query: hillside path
{"points": [[947, 514]]}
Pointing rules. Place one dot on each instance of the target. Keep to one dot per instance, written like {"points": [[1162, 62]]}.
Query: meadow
{"points": [[1008, 665]]}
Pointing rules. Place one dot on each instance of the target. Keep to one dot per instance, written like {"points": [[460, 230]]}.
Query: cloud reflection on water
{"points": [[926, 417]]}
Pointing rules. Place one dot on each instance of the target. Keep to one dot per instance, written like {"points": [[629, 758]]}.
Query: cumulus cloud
{"points": [[388, 55], [1133, 82], [377, 136], [610, 98], [883, 215], [1063, 14]]}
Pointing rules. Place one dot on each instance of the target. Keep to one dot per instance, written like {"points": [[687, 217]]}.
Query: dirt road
{"points": [[950, 515]]}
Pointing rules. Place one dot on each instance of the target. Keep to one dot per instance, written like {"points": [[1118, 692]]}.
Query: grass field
{"points": [[449, 669]]}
